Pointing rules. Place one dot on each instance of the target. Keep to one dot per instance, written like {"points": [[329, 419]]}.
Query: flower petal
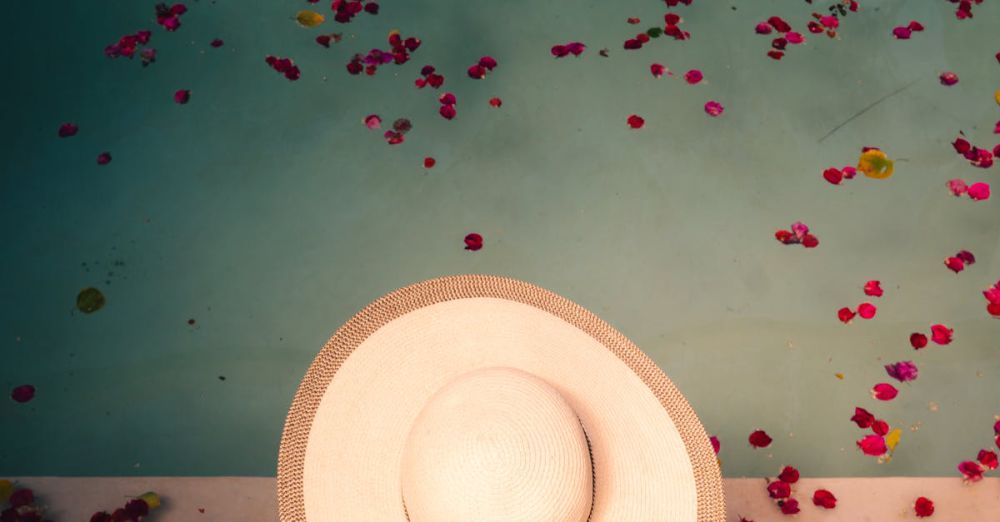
{"points": [[824, 499], [874, 288], [867, 310], [884, 391], [941, 334], [760, 439]]}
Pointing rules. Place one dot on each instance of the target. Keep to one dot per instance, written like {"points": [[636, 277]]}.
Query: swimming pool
{"points": [[267, 212]]}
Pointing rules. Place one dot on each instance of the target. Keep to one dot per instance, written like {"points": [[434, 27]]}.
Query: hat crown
{"points": [[497, 444]]}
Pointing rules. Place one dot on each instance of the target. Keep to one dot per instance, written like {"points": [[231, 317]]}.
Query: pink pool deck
{"points": [[224, 499]]}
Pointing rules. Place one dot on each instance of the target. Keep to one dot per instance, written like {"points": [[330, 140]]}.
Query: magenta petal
{"points": [[901, 33], [182, 96], [104, 158], [902, 371], [693, 77], [23, 393], [68, 129], [714, 108], [576, 48]]}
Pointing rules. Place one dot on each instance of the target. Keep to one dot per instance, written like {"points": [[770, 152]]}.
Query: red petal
{"points": [[961, 145], [948, 78], [862, 418], [845, 315], [716, 445], [448, 99], [880, 427], [972, 471], [873, 288], [636, 122], [941, 334], [824, 499], [923, 507], [763, 28], [834, 176], [632, 20], [988, 459], [760, 439], [776, 55], [429, 162], [779, 24], [954, 264], [104, 158], [884, 391], [966, 256], [671, 19], [789, 474], [872, 445], [901, 33], [915, 26], [810, 241], [866, 310], [693, 76], [779, 489], [993, 309], [473, 242], [789, 506], [447, 111], [918, 340], [495, 102]]}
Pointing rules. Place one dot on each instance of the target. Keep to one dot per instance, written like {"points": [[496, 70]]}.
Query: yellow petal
{"points": [[6, 489], [152, 499], [996, 96], [875, 164], [309, 18], [839, 376], [892, 439]]}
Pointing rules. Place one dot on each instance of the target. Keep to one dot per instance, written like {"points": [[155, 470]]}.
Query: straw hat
{"points": [[483, 398]]}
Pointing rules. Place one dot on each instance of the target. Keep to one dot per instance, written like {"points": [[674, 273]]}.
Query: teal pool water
{"points": [[266, 211]]}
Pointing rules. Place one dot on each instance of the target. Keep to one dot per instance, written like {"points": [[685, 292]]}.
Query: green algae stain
{"points": [[89, 300]]}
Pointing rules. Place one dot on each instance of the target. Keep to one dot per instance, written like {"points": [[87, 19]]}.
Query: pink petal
{"points": [[372, 121], [884, 391], [765, 28], [979, 191], [873, 445], [957, 187], [794, 37], [716, 445]]}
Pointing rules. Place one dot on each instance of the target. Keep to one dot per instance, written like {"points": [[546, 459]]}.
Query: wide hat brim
{"points": [[344, 435]]}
